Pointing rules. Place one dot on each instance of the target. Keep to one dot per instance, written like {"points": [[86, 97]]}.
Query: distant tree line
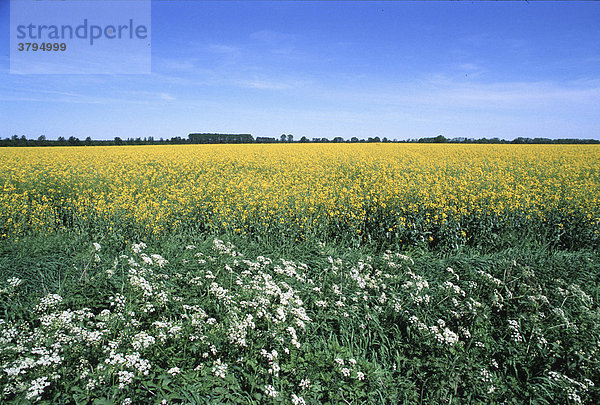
{"points": [[208, 138], [22, 140], [221, 138]]}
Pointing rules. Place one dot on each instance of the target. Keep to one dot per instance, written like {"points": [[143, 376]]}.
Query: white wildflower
{"points": [[142, 340], [160, 261], [450, 337], [37, 388], [219, 369], [48, 302], [270, 391], [146, 259], [125, 378], [321, 304], [296, 400], [138, 247], [14, 282], [514, 331], [174, 371]]}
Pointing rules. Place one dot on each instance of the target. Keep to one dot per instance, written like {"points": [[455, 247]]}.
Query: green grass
{"points": [[513, 325]]}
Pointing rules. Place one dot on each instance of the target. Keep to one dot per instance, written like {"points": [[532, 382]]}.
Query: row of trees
{"points": [[22, 140], [16, 140]]}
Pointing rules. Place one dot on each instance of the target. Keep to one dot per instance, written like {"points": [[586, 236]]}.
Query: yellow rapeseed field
{"points": [[295, 189]]}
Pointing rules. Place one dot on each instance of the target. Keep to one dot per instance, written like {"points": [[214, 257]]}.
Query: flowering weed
{"points": [[217, 323]]}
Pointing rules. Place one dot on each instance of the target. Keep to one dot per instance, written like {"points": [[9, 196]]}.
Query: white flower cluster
{"points": [[174, 371], [225, 248], [48, 302], [365, 276], [219, 368], [117, 301], [489, 278], [140, 282], [125, 378], [498, 300], [576, 291], [515, 331], [219, 292], [290, 268], [296, 400], [305, 383], [445, 336], [166, 330], [391, 258], [159, 260], [272, 359], [440, 332], [560, 313], [270, 391], [142, 340], [450, 286], [132, 361], [138, 247], [416, 287], [27, 354], [570, 386], [14, 282], [36, 389], [349, 368], [238, 330]]}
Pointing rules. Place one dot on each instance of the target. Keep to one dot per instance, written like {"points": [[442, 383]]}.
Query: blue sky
{"points": [[325, 69]]}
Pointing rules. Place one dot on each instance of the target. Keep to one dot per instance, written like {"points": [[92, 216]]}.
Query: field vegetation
{"points": [[300, 273]]}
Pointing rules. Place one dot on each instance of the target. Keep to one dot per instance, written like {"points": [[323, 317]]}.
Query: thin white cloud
{"points": [[511, 94], [265, 85], [109, 97], [276, 82], [468, 67], [166, 97], [272, 37], [442, 92], [223, 49], [177, 65]]}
